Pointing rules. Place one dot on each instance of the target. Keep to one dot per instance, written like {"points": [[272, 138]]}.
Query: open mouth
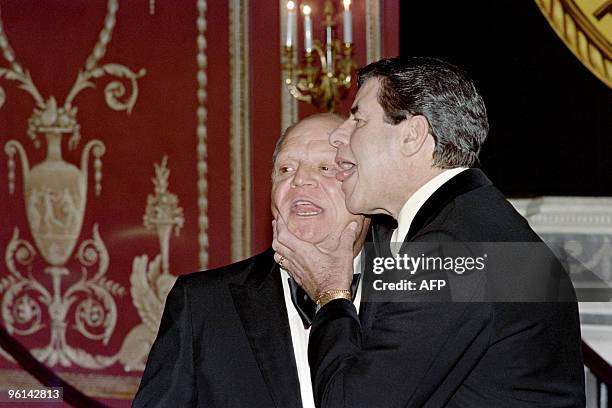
{"points": [[305, 208], [347, 168]]}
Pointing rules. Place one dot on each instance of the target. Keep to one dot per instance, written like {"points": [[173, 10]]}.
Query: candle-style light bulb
{"points": [[291, 23], [347, 22], [307, 28]]}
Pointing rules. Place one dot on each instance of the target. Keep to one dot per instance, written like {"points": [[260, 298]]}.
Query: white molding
{"points": [[599, 337], [567, 215], [240, 129], [571, 216], [373, 31], [596, 308]]}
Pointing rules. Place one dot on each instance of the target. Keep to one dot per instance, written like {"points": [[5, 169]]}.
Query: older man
{"points": [[415, 131], [237, 336]]}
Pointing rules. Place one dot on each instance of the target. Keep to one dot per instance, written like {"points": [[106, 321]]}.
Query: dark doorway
{"points": [[551, 118]]}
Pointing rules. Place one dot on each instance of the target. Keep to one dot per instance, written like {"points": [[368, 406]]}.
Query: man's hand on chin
{"points": [[316, 267]]}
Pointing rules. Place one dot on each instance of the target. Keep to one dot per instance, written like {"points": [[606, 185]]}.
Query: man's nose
{"points": [[341, 135], [304, 176]]}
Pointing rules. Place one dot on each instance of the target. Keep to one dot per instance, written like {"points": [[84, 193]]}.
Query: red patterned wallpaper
{"points": [[104, 311]]}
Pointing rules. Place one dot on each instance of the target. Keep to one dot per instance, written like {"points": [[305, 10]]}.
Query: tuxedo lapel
{"points": [[381, 230], [463, 182], [260, 305], [376, 245], [383, 226]]}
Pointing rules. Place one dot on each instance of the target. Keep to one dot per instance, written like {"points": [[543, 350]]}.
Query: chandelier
{"points": [[323, 77]]}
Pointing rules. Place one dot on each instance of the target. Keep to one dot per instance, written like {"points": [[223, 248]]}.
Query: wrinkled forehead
{"points": [[308, 141], [307, 149]]}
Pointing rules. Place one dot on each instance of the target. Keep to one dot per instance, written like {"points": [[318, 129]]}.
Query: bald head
{"points": [[305, 191], [324, 121]]}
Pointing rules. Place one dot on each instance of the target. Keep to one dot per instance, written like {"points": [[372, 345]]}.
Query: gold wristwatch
{"points": [[327, 296]]}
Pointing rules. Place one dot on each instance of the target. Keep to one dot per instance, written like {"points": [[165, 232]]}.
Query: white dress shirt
{"points": [[299, 335], [414, 204]]}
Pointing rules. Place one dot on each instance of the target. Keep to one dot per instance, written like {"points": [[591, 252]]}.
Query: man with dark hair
{"points": [[407, 151], [442, 94], [237, 336]]}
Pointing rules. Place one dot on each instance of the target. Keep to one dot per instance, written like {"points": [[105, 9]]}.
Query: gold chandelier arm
{"points": [[325, 83], [296, 93], [290, 73], [318, 49], [346, 65]]}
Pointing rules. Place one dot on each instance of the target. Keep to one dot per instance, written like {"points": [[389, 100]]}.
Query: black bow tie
{"points": [[382, 230], [305, 306]]}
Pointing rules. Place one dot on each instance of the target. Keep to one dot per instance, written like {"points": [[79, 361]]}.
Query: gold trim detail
{"points": [[373, 32], [92, 385], [240, 135], [202, 134], [581, 34]]}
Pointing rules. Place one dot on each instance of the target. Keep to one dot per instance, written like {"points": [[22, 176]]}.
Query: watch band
{"points": [[327, 296]]}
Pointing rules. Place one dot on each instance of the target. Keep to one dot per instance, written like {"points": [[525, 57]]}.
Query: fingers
{"points": [[282, 253], [274, 240], [277, 245], [288, 266], [287, 239], [281, 260], [348, 236], [281, 233]]}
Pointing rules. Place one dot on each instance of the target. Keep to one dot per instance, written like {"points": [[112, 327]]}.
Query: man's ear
{"points": [[414, 133]]}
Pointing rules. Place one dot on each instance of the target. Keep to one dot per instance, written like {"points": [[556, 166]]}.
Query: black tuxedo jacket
{"points": [[442, 354], [224, 341]]}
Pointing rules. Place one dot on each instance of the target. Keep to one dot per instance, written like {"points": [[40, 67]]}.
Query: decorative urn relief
{"points": [[55, 191], [81, 298]]}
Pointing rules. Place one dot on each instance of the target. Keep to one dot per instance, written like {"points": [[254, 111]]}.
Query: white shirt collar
{"points": [[299, 335], [416, 201]]}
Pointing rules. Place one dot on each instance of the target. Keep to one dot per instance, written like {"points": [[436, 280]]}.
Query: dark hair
{"points": [[440, 92]]}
